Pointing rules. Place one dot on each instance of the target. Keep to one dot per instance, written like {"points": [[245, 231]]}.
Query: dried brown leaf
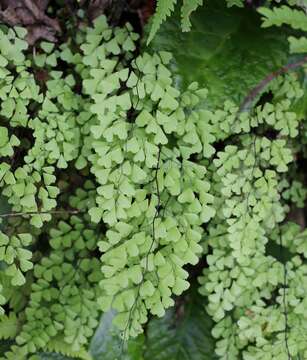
{"points": [[30, 14]]}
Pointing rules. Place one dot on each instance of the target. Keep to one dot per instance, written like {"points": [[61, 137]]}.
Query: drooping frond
{"points": [[164, 9]]}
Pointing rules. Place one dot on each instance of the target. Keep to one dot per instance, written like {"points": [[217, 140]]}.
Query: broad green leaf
{"points": [[182, 334], [228, 52], [108, 345]]}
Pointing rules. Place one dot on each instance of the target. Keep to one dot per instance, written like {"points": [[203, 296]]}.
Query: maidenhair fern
{"points": [[143, 138], [139, 137], [9, 326], [244, 284], [113, 182]]}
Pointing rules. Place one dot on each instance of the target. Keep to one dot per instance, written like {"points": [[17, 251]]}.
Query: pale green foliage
{"points": [[242, 278], [137, 134], [235, 2], [298, 45], [61, 308], [148, 195], [18, 93], [152, 202], [61, 292], [296, 193], [12, 252], [57, 346], [284, 15]]}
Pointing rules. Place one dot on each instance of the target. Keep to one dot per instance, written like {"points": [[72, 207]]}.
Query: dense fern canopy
{"points": [[153, 183]]}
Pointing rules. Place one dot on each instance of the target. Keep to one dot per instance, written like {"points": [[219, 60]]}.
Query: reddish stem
{"points": [[257, 89]]}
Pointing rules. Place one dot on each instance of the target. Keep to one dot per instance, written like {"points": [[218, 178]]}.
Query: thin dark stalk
{"points": [[284, 296], [54, 212]]}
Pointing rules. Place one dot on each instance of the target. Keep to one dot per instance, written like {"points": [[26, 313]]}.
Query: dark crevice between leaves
{"points": [[273, 249]]}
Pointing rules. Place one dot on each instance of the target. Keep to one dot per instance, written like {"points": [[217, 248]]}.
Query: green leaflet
{"points": [[238, 38], [284, 15], [187, 8]]}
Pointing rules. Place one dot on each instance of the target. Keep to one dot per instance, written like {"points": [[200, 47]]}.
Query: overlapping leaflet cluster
{"points": [[42, 125], [21, 181], [249, 288], [151, 195], [160, 181], [122, 119], [63, 302]]}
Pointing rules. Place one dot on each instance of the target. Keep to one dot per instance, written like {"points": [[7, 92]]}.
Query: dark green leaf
{"points": [[183, 334], [226, 50], [108, 345]]}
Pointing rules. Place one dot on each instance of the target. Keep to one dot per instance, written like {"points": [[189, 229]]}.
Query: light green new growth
{"points": [[245, 284], [138, 136], [152, 201]]}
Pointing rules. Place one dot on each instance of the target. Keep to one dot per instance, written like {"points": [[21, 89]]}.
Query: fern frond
{"points": [[57, 345], [187, 8], [284, 15], [9, 326], [292, 17], [164, 9]]}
